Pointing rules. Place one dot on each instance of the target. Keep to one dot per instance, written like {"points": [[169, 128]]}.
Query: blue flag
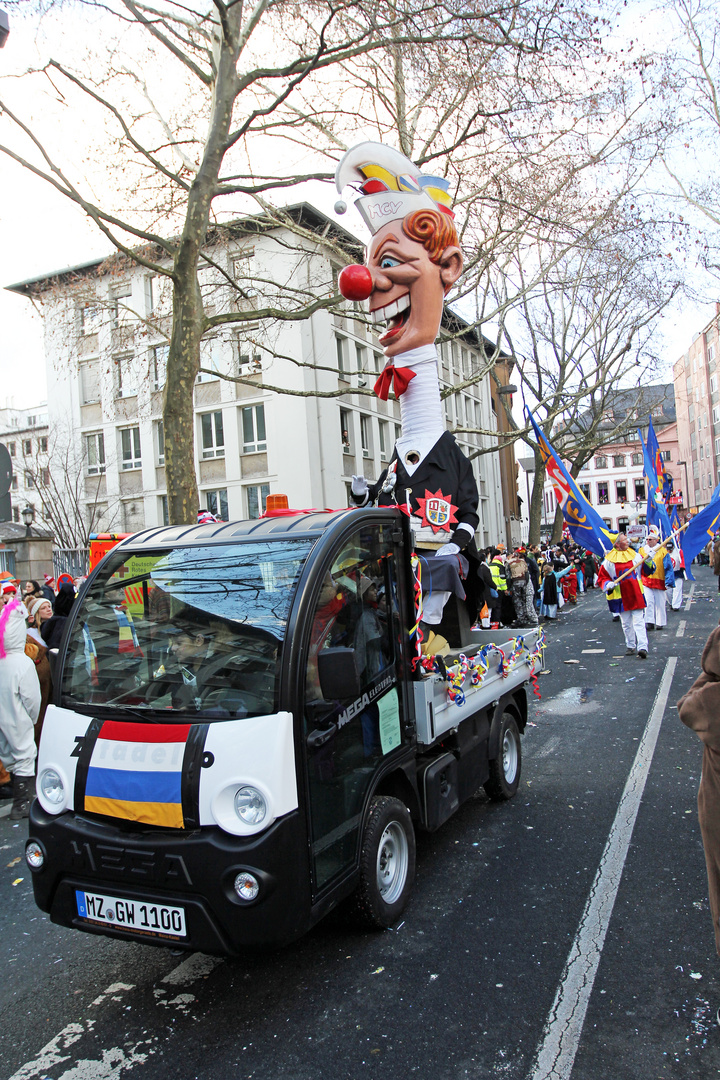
{"points": [[701, 529], [675, 519], [664, 479], [656, 512], [586, 526]]}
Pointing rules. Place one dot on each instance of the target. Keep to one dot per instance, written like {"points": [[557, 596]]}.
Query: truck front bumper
{"points": [[194, 871]]}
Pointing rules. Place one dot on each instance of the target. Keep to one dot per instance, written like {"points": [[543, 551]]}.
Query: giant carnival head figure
{"points": [[414, 256]]}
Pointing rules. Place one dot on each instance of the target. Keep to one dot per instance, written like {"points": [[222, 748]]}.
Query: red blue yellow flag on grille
{"points": [[135, 773]]}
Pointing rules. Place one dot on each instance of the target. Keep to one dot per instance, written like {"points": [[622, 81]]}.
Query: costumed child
{"points": [[657, 576], [678, 562], [549, 590], [620, 559], [412, 261]]}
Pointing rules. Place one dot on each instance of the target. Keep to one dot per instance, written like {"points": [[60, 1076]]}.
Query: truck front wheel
{"points": [[387, 863], [505, 768]]}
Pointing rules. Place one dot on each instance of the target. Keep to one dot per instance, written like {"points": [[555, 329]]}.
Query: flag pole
{"points": [[672, 537]]}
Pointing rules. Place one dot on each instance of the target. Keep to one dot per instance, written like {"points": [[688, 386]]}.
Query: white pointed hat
{"points": [[391, 186]]}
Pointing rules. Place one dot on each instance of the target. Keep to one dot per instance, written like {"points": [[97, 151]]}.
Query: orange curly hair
{"points": [[434, 230]]}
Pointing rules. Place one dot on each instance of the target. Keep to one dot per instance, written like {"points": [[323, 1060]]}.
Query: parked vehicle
{"points": [[241, 736]]}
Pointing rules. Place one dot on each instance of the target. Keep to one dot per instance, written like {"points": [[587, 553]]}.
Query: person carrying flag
{"points": [[678, 563], [620, 559], [657, 576]]}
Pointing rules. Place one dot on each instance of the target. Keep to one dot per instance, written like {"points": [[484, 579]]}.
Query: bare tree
{"points": [[506, 99], [72, 499]]}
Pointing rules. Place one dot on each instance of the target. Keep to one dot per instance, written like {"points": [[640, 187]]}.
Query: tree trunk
{"points": [[557, 528], [536, 500], [189, 323]]}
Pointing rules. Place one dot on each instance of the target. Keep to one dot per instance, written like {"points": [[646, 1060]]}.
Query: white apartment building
{"points": [[106, 331], [24, 433]]}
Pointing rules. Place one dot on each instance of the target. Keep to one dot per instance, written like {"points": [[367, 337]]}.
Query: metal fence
{"points": [[73, 561]]}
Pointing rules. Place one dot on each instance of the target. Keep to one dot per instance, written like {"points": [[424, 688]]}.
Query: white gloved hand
{"points": [[359, 486], [608, 586], [448, 549]]}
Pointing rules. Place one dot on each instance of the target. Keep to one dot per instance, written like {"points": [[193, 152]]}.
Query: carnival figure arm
{"points": [[669, 572]]}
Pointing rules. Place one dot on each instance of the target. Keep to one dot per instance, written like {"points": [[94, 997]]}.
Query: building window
{"points": [[710, 353], [29, 479], [14, 482], [637, 459], [95, 453], [210, 359], [130, 448], [693, 441], [702, 451], [217, 503], [213, 438], [90, 382], [360, 357], [43, 444], [121, 316], [618, 461], [125, 376], [365, 437], [383, 433], [601, 463], [623, 524], [620, 491], [253, 425], [345, 431], [164, 512], [16, 514], [256, 497], [11, 449], [160, 441], [585, 488], [639, 490], [377, 362], [90, 319], [603, 492], [713, 383], [341, 358], [27, 447], [248, 363], [159, 365]]}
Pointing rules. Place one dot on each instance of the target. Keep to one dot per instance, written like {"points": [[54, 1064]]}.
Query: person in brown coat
{"points": [[699, 709]]}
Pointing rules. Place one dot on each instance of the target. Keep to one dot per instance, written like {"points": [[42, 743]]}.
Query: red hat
{"points": [[9, 586]]}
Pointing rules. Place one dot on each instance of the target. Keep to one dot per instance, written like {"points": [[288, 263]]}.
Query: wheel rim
{"points": [[509, 756], [392, 862]]}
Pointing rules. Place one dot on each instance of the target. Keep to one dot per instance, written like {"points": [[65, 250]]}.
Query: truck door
{"points": [[352, 724]]}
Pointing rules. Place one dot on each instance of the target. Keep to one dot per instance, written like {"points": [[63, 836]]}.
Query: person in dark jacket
{"points": [[52, 630]]}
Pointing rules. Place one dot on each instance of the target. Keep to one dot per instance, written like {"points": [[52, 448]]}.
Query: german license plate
{"points": [[158, 920]]}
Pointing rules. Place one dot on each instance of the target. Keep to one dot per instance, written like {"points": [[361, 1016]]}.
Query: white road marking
{"points": [[556, 1052], [689, 600], [593, 650], [115, 1061], [680, 632]]}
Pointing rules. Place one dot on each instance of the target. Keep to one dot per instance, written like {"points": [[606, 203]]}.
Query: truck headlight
{"points": [[52, 787], [250, 805]]}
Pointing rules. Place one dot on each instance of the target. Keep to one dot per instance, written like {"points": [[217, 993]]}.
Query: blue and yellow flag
{"points": [[701, 529], [656, 511], [586, 526], [664, 479]]}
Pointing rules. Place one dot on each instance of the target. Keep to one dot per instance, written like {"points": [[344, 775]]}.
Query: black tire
{"points": [[505, 769], [387, 864]]}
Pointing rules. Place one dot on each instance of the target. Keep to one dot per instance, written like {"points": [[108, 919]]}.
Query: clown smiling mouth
{"points": [[395, 314]]}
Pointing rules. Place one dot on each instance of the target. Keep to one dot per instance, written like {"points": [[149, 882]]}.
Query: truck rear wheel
{"points": [[387, 863], [505, 768]]}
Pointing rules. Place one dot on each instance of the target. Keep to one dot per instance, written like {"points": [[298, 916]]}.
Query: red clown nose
{"points": [[355, 282]]}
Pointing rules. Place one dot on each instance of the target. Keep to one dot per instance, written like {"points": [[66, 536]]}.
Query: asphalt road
{"points": [[563, 934]]}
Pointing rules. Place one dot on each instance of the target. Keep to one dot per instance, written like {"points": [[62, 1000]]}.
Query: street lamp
{"points": [[28, 516], [687, 493]]}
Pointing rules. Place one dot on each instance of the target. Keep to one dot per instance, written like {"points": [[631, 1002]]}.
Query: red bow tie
{"points": [[402, 377]]}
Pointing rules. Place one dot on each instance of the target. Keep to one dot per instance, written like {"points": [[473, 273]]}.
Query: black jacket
{"points": [[445, 469]]}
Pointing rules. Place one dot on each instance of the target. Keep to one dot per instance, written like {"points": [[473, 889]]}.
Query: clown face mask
{"points": [[408, 288]]}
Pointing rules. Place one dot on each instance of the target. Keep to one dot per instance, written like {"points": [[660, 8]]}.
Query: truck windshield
{"points": [[196, 630]]}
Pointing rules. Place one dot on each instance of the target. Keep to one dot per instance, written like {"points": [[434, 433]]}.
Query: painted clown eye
{"points": [[387, 262]]}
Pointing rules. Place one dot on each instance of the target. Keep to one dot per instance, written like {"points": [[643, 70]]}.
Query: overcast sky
{"points": [[41, 231]]}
